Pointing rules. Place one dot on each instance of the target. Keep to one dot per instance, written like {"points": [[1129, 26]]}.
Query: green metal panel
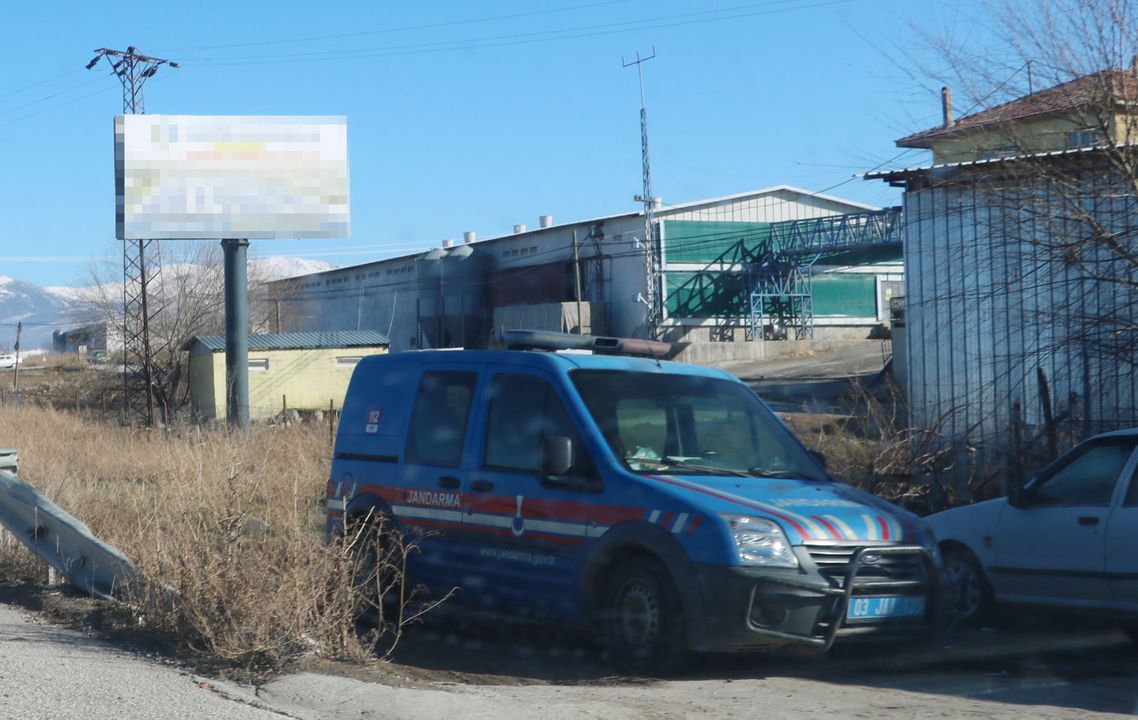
{"points": [[692, 241], [844, 295], [725, 294], [705, 294], [866, 256]]}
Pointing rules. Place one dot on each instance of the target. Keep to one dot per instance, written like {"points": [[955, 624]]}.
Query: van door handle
{"points": [[449, 482], [481, 485], [1088, 520]]}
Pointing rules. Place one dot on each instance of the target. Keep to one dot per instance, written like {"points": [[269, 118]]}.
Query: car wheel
{"points": [[971, 594], [644, 626]]}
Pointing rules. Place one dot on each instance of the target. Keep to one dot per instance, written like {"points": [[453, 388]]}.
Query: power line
{"points": [[36, 84], [698, 17], [405, 28], [72, 101]]}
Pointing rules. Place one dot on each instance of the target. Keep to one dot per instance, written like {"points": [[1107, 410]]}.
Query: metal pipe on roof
{"points": [[946, 105]]}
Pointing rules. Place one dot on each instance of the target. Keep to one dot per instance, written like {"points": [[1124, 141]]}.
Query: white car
{"points": [[1066, 540], [7, 361]]}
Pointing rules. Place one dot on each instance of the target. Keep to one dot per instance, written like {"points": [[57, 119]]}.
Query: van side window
{"points": [[438, 423], [524, 410]]}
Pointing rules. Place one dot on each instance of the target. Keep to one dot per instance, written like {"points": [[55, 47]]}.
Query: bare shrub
{"points": [[872, 448], [227, 530]]}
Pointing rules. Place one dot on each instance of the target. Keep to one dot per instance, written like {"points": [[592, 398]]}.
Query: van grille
{"points": [[833, 561]]}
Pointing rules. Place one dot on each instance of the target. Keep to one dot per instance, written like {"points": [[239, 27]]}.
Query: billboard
{"points": [[230, 176]]}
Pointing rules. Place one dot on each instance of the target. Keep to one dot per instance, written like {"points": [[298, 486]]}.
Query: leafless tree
{"points": [[1035, 214], [190, 302]]}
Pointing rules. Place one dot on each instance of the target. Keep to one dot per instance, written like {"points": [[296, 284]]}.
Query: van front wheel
{"points": [[644, 622]]}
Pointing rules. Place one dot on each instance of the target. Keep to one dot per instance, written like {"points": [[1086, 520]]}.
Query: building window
{"points": [[999, 151], [258, 364], [348, 361], [1087, 137]]}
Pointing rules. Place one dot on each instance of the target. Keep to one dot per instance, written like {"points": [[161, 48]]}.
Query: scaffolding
{"points": [[781, 297], [838, 233], [781, 301]]}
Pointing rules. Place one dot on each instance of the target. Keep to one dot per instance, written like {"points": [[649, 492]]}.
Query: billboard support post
{"points": [[236, 333]]}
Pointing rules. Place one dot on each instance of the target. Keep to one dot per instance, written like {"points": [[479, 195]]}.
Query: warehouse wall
{"points": [[990, 301], [537, 267]]}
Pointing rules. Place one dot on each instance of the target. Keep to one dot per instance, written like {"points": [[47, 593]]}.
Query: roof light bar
{"points": [[599, 344]]}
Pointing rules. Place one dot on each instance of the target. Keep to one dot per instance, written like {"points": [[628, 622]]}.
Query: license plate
{"points": [[874, 608]]}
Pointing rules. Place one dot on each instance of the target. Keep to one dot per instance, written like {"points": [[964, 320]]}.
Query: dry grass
{"points": [[227, 530]]}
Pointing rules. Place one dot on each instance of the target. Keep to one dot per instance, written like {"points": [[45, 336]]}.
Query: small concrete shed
{"points": [[301, 371]]}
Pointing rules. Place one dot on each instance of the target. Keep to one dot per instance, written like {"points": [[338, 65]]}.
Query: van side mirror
{"points": [[556, 456]]}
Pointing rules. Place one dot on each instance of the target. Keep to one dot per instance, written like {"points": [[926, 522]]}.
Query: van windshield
{"points": [[685, 425]]}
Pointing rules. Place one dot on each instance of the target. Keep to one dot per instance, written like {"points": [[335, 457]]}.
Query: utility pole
{"points": [[577, 272], [651, 254], [16, 367], [141, 258]]}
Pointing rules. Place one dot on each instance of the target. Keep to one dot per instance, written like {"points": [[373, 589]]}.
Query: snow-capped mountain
{"points": [[46, 309], [41, 310], [280, 267]]}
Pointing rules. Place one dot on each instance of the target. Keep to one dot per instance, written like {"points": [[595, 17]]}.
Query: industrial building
{"points": [[730, 272], [1019, 248], [93, 340], [297, 371]]}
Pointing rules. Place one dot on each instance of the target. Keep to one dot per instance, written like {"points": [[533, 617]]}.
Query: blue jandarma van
{"points": [[663, 503]]}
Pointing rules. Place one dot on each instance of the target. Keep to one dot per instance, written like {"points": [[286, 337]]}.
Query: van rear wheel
{"points": [[644, 622], [377, 570]]}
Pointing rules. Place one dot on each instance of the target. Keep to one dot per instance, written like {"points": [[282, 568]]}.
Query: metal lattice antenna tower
{"points": [[141, 258], [651, 252]]}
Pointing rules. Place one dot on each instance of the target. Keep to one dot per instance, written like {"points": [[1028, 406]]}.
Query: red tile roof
{"points": [[1097, 90]]}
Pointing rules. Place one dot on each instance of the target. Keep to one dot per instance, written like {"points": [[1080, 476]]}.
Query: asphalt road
{"points": [[57, 674], [1033, 669]]}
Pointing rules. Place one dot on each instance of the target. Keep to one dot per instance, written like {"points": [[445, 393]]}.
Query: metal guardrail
{"points": [[60, 539]]}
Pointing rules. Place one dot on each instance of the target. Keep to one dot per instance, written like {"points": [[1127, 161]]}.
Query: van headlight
{"points": [[760, 542]]}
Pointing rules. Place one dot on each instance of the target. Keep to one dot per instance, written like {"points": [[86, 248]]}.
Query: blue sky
{"points": [[467, 116]]}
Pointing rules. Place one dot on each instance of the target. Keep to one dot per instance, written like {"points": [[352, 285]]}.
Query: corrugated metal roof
{"points": [[964, 164], [297, 340], [662, 214]]}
